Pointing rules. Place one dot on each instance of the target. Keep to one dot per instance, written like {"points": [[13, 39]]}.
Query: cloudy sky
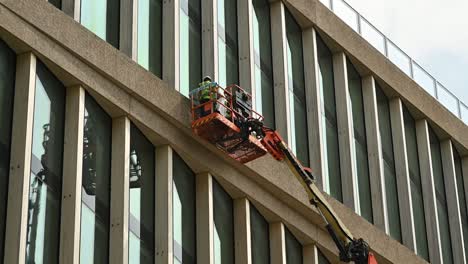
{"points": [[433, 32]]}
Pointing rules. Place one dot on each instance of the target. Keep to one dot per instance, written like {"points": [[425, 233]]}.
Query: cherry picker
{"points": [[226, 118]]}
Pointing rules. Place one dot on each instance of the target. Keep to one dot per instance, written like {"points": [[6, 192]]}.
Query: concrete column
{"points": [[120, 170], [345, 132], [170, 43], [205, 220], [242, 233], [163, 213], [310, 254], [314, 105], [20, 159], [280, 70], [464, 161], [128, 27], [428, 190], [209, 19], [374, 154], [402, 174], [72, 176], [246, 50], [277, 243], [453, 206], [72, 8]]}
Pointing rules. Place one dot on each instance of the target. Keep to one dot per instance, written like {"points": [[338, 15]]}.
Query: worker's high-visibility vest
{"points": [[206, 92]]}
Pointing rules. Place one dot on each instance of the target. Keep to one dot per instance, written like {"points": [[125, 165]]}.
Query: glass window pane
{"points": [[56, 3], [95, 192], [416, 187], [388, 161], [141, 218], [371, 34], [461, 199], [190, 64], [150, 35], [293, 248], [223, 233], [447, 99], [332, 174], [7, 86], [399, 58], [322, 259], [424, 79], [45, 189], [260, 237], [296, 96], [360, 143], [442, 213], [183, 212], [264, 93], [102, 18], [227, 43]]}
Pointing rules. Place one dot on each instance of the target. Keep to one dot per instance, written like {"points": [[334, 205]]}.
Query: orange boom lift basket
{"points": [[215, 120]]}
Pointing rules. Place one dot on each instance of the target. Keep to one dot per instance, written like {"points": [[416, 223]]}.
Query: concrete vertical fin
{"points": [[277, 243], [128, 28], [205, 220], [170, 42], [242, 238], [209, 19]]}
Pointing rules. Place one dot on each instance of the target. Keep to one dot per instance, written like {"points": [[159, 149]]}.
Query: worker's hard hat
{"points": [[207, 78]]}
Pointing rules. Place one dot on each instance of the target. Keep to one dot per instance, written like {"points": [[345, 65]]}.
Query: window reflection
{"points": [[293, 248], [461, 198], [260, 236], [223, 233], [102, 18]]}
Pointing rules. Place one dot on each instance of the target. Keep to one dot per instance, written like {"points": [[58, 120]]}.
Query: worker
{"points": [[210, 91]]}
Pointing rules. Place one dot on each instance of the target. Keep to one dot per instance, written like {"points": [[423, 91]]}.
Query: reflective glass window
{"points": [[388, 161], [296, 93], [360, 144], [149, 52], [461, 199], [260, 237], [331, 174], [263, 69], [183, 212], [416, 187], [95, 191], [102, 17], [45, 190], [293, 248], [56, 3], [190, 64], [227, 43], [7, 87], [441, 199], [141, 208], [322, 259], [223, 233]]}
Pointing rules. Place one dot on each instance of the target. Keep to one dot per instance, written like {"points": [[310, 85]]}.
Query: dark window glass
{"points": [[183, 214], [56, 3], [149, 52], [260, 237], [190, 63], [227, 43], [332, 174], [141, 218], [416, 187], [441, 201], [293, 248], [223, 235], [461, 199], [391, 192], [45, 190], [296, 93], [263, 69], [322, 259], [7, 87], [102, 17], [360, 142], [95, 192]]}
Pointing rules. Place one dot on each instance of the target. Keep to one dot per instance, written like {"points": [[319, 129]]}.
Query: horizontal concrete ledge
{"points": [[77, 56]]}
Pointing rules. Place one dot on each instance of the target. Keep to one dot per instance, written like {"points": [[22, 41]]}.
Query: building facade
{"points": [[99, 164]]}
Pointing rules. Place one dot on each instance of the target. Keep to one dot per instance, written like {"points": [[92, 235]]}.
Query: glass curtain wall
{"points": [[360, 143], [416, 186], [461, 198], [296, 93], [331, 174], [223, 235], [56, 3], [228, 62], [102, 17], [142, 199], [95, 191], [293, 248], [183, 214], [322, 259], [263, 66], [441, 200], [149, 40], [190, 56], [7, 87], [388, 161], [45, 190], [260, 237]]}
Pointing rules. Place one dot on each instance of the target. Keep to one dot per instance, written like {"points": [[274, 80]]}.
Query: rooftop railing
{"points": [[396, 55]]}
